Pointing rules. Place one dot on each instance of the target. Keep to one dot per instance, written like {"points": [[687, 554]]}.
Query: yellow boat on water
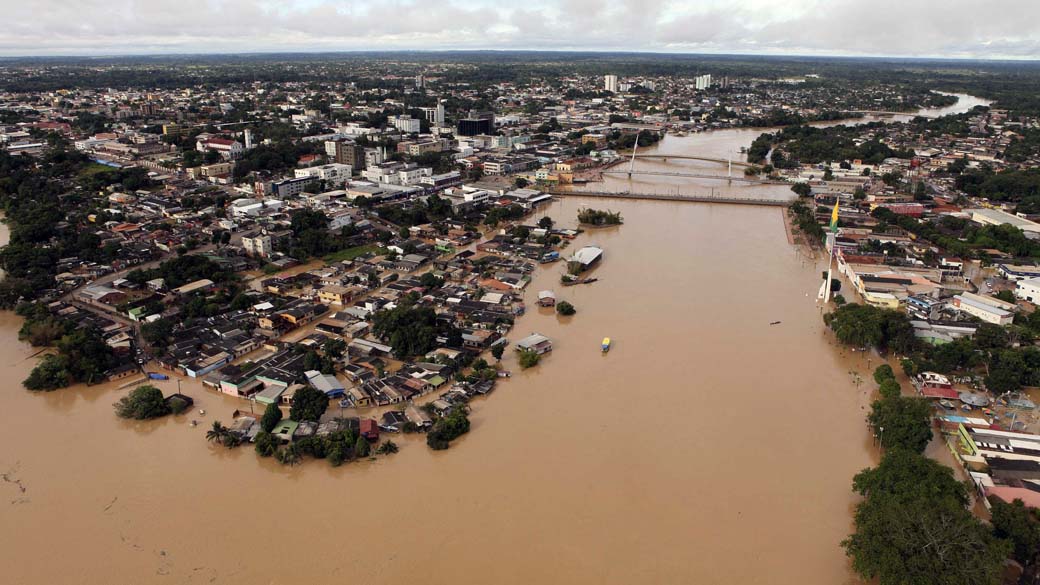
{"points": [[606, 344]]}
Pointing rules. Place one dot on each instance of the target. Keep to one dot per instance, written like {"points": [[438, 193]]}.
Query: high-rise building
{"points": [[420, 81], [610, 83], [248, 138], [477, 123], [346, 153], [435, 116], [702, 82]]}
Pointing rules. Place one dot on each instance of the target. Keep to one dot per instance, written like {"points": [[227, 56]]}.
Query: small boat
{"points": [[157, 376], [345, 403], [504, 373], [966, 407], [202, 412], [947, 404], [606, 344], [194, 423], [775, 323]]}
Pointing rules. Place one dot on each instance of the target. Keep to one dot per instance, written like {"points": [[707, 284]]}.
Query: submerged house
{"points": [[535, 342], [587, 257]]}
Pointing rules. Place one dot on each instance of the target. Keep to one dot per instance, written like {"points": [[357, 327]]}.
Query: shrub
{"points": [[890, 389], [883, 372], [566, 309], [529, 359]]}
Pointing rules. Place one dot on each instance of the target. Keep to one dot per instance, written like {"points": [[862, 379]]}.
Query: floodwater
{"points": [[708, 446]]}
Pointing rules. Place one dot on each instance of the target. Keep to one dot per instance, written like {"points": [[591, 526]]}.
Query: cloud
{"points": [[933, 28]]}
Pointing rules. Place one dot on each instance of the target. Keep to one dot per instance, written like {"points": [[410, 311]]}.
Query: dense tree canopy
{"points": [[902, 423], [142, 403], [308, 404], [866, 325]]}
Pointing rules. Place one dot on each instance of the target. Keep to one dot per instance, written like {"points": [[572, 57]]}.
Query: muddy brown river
{"points": [[707, 447]]}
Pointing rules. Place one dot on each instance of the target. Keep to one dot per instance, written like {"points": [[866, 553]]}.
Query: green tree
{"points": [[866, 325], [50, 374], [883, 372], [923, 542], [990, 336], [308, 404], [336, 454], [217, 432], [272, 416], [912, 476], [498, 350], [890, 388], [1020, 526], [289, 455], [157, 333], [565, 308], [142, 403], [529, 359], [266, 444], [361, 447], [448, 428], [902, 423], [387, 448]]}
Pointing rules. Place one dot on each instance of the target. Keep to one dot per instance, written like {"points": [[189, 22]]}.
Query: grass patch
{"points": [[95, 169], [351, 253]]}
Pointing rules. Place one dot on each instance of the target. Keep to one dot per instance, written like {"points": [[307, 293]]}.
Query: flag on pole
{"points": [[834, 218]]}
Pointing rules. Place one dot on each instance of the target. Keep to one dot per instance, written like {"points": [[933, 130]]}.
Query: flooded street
{"points": [[707, 447]]}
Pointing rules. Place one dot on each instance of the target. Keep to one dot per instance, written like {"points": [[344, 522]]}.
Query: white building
{"points": [[987, 309], [435, 116], [334, 174], [406, 124], [248, 207], [997, 217], [227, 148], [610, 83], [373, 157], [702, 82], [396, 173], [1028, 290], [257, 244]]}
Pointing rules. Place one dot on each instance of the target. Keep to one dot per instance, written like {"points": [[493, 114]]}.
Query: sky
{"points": [[987, 29]]}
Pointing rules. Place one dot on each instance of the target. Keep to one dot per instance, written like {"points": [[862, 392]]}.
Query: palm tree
{"points": [[217, 433]]}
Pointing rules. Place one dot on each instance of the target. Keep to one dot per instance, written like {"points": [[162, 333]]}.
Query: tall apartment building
{"points": [[435, 116], [257, 244], [610, 83], [373, 157], [346, 153]]}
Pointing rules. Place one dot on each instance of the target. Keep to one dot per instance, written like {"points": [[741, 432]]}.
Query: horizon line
{"points": [[316, 52]]}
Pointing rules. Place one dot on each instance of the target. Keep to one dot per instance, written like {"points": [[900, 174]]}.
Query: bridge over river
{"points": [[666, 157], [675, 197], [742, 179]]}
